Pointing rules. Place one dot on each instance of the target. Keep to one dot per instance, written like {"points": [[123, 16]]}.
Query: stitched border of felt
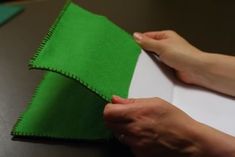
{"points": [[34, 65]]}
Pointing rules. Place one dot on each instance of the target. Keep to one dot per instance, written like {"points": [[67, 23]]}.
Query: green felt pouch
{"points": [[89, 59]]}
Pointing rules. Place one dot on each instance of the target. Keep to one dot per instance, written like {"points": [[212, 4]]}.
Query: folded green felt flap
{"points": [[63, 108], [89, 59], [91, 49]]}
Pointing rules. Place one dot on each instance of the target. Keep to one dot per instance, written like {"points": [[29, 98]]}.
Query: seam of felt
{"points": [[14, 132], [46, 38], [71, 76]]}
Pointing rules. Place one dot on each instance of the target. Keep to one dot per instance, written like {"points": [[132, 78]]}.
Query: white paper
{"points": [[149, 80], [153, 79]]}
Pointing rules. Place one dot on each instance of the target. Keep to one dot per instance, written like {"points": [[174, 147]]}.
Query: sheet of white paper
{"points": [[152, 79], [149, 80], [211, 108]]}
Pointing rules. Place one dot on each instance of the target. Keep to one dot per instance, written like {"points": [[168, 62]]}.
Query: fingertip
{"points": [[106, 110], [107, 106], [138, 36], [114, 112], [117, 99]]}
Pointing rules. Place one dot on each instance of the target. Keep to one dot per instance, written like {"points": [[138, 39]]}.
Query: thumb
{"points": [[120, 100], [147, 43]]}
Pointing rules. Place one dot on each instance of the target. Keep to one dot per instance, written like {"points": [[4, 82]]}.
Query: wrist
{"points": [[214, 71], [197, 71]]}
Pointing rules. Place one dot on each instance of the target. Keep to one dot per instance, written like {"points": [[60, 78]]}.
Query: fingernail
{"points": [[138, 36]]}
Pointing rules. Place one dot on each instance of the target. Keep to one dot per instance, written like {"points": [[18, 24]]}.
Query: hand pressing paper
{"points": [[89, 59]]}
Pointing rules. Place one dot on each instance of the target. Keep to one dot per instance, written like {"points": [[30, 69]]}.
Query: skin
{"points": [[154, 127], [193, 66]]}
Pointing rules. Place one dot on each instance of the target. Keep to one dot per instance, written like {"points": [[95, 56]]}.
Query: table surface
{"points": [[208, 25]]}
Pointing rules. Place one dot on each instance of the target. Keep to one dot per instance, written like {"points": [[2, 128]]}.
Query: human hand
{"points": [[175, 52], [151, 126], [193, 66]]}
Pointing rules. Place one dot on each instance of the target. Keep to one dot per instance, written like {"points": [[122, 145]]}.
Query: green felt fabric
{"points": [[90, 59], [91, 49], [8, 12], [63, 108]]}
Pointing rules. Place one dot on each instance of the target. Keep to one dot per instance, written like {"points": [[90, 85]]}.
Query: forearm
{"points": [[212, 143], [217, 72]]}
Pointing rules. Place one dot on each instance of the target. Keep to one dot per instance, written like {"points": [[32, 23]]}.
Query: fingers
{"points": [[118, 100], [160, 35], [157, 35], [148, 43], [125, 133], [153, 41], [117, 113]]}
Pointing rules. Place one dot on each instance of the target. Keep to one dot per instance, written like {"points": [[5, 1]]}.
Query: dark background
{"points": [[208, 24]]}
